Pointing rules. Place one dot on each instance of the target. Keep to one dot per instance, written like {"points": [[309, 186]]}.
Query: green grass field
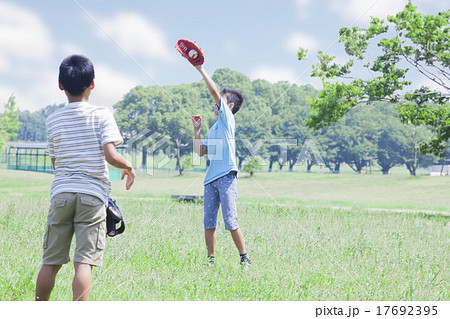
{"points": [[310, 237]]}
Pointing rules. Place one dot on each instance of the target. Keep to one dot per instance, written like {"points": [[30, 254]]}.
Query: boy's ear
{"points": [[60, 86], [231, 105], [92, 86]]}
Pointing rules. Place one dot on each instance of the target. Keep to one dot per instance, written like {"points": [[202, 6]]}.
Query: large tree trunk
{"points": [[291, 165], [179, 145], [337, 167], [412, 171], [178, 165], [240, 160], [144, 158], [411, 168], [309, 164], [385, 169]]}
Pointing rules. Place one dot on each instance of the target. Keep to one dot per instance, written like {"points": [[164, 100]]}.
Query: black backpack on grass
{"points": [[113, 217]]}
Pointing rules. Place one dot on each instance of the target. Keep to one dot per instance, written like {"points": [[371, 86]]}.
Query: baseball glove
{"points": [[113, 217], [191, 51]]}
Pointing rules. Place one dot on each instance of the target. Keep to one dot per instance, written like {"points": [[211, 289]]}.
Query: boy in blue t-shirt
{"points": [[221, 175]]}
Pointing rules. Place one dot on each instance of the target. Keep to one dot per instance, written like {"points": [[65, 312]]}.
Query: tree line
{"points": [[270, 127]]}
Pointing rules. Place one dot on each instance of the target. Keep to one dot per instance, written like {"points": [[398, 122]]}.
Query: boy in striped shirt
{"points": [[82, 140]]}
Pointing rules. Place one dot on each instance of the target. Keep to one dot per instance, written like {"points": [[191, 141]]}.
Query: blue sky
{"points": [[259, 38]]}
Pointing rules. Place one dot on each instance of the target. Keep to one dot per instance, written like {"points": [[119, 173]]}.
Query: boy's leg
{"points": [[82, 281], [46, 281], [210, 238], [211, 209], [56, 246], [238, 239], [228, 200], [90, 232]]}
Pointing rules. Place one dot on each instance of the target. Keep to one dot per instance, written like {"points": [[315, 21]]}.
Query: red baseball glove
{"points": [[191, 51]]}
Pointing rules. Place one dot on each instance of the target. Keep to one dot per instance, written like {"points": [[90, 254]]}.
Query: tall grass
{"points": [[299, 252]]}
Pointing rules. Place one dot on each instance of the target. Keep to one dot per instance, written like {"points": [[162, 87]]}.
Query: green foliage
{"points": [[426, 108], [32, 127], [186, 162], [302, 53], [271, 115], [419, 40], [251, 166], [9, 122], [272, 121]]}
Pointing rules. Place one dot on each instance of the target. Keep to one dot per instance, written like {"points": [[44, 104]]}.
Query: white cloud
{"points": [[23, 34], [110, 86], [35, 96], [424, 81], [137, 35], [26, 48], [364, 9], [298, 39], [274, 74], [434, 5], [68, 48], [302, 7]]}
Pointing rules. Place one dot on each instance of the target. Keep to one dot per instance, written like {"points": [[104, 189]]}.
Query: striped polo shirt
{"points": [[76, 134]]}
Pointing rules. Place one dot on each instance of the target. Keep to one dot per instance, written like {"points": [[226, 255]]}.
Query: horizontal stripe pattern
{"points": [[76, 136]]}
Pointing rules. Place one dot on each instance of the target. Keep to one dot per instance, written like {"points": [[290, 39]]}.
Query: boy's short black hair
{"points": [[235, 97], [76, 74]]}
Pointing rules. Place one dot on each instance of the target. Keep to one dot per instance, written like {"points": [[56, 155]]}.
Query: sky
{"points": [[131, 42]]}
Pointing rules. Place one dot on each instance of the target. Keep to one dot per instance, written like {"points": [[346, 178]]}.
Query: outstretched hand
{"points": [[130, 177], [197, 121]]}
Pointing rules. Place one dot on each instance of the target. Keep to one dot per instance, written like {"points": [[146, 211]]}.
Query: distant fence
{"points": [[29, 157], [33, 157]]}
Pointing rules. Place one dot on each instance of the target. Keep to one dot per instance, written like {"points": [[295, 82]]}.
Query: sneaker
{"points": [[211, 261], [245, 261]]}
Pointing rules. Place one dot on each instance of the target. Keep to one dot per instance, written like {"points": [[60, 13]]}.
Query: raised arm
{"points": [[210, 84]]}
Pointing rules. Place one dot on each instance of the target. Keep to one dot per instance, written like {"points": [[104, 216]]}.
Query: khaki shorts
{"points": [[82, 214]]}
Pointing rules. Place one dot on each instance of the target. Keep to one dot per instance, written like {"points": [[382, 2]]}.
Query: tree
{"points": [[181, 132], [251, 166], [9, 122], [361, 137], [417, 40], [185, 163], [32, 128], [392, 146], [331, 139]]}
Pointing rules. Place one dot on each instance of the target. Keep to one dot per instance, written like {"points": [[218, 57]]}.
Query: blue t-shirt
{"points": [[221, 145]]}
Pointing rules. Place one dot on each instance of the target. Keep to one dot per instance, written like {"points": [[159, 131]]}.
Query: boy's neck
{"points": [[74, 99], [79, 98]]}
